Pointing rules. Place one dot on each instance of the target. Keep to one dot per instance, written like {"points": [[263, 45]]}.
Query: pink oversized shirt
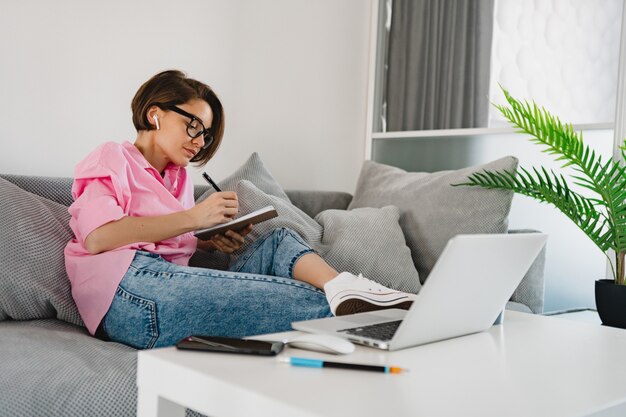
{"points": [[114, 181]]}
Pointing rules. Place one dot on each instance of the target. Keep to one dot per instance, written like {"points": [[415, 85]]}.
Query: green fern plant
{"points": [[603, 218]]}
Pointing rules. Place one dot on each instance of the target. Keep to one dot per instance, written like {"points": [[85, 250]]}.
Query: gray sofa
{"points": [[51, 366]]}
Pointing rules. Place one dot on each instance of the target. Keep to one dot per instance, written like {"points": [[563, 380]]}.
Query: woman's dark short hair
{"points": [[173, 88]]}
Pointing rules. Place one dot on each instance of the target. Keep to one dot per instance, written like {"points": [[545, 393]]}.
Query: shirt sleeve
{"points": [[95, 204]]}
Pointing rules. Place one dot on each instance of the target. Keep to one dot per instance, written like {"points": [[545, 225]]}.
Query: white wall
{"points": [[292, 75]]}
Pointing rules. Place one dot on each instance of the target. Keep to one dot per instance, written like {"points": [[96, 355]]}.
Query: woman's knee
{"points": [[280, 233], [285, 232]]}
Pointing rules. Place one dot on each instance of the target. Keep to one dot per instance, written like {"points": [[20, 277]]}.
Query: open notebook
{"points": [[257, 216]]}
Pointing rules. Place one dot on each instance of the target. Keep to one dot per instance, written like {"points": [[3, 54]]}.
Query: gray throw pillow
{"points": [[367, 241], [289, 216], [432, 210], [252, 170], [33, 281]]}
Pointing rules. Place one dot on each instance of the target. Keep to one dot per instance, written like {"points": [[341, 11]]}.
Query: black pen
{"points": [[210, 181]]}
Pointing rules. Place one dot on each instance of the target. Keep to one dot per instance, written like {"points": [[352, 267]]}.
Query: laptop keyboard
{"points": [[381, 331]]}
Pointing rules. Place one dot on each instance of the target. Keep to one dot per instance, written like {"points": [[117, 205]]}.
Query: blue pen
{"points": [[317, 363]]}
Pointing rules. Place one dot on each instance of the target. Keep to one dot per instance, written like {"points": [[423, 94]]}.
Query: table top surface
{"points": [[587, 316], [530, 365]]}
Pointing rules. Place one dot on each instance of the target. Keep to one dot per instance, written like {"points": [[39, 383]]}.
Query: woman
{"points": [[133, 218]]}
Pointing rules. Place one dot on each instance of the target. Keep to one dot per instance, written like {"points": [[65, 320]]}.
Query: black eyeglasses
{"points": [[195, 127]]}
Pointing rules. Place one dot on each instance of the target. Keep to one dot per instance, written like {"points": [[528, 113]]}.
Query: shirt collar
{"points": [[171, 171], [136, 155]]}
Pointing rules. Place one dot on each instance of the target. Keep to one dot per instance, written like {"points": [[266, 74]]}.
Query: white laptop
{"points": [[465, 292]]}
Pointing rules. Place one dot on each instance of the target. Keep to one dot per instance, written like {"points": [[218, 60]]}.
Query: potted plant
{"points": [[601, 217]]}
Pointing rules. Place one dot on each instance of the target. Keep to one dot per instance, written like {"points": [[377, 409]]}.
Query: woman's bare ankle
{"points": [[312, 269]]}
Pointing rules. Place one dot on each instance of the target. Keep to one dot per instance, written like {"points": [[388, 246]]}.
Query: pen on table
{"points": [[210, 181], [317, 363]]}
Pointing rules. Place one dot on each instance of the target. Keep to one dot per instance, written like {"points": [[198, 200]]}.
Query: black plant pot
{"points": [[611, 303]]}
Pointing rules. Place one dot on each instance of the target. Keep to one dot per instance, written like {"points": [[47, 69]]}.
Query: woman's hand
{"points": [[216, 209], [229, 241]]}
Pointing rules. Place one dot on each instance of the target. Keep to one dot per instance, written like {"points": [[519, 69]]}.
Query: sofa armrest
{"points": [[57, 189], [530, 291]]}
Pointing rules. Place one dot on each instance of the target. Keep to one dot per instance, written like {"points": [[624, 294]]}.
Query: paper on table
{"points": [[257, 216]]}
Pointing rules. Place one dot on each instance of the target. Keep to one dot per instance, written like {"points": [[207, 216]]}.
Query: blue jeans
{"points": [[159, 303]]}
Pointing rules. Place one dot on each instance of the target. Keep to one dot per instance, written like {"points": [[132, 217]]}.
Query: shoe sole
{"points": [[355, 306]]}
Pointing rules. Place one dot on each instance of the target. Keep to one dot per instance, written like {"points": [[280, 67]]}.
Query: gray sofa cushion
{"points": [[367, 241], [433, 211], [51, 368], [33, 281], [252, 170], [289, 216], [530, 291]]}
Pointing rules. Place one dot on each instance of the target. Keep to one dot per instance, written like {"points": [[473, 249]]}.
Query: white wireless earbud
{"points": [[156, 121]]}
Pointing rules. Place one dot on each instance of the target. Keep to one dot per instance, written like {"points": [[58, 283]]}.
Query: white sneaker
{"points": [[349, 294]]}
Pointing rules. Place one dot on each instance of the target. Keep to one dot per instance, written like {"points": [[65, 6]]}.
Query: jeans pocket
{"points": [[132, 320]]}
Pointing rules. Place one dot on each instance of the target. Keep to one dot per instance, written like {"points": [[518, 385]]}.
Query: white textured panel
{"points": [[561, 53]]}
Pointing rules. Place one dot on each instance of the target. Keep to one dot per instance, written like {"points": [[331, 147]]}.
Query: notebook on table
{"points": [[465, 292]]}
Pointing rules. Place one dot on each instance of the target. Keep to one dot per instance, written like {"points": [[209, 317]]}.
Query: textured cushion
{"points": [[367, 241], [252, 170], [432, 210], [55, 369], [33, 281], [530, 291], [289, 216]]}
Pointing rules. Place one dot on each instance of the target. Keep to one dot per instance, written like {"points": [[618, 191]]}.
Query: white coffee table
{"points": [[530, 366]]}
